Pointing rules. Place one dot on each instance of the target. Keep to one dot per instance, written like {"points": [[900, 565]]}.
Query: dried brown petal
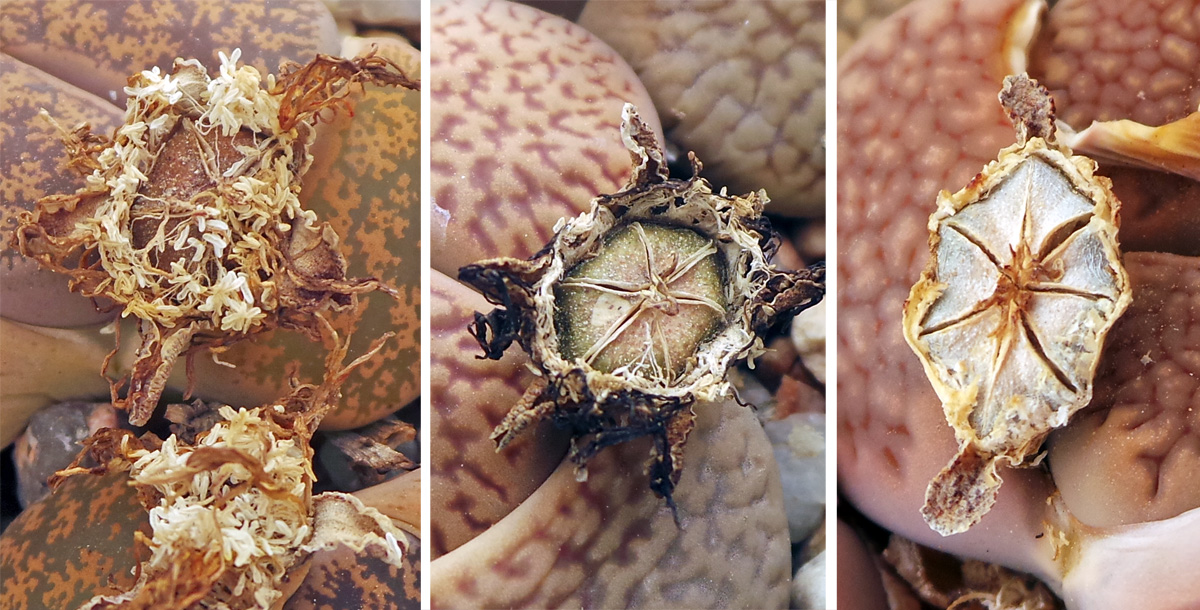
{"points": [[1173, 147], [637, 309], [370, 452], [1008, 319]]}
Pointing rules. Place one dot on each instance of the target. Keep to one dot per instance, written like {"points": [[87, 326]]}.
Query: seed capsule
{"points": [[1008, 319], [646, 301], [637, 309]]}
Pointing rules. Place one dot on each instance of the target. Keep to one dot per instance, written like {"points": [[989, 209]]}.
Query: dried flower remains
{"points": [[636, 310], [233, 514], [1009, 317], [190, 218]]}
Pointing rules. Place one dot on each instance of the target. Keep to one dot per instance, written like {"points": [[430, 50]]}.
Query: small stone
{"points": [[808, 337], [809, 239], [799, 445], [808, 585], [52, 440]]}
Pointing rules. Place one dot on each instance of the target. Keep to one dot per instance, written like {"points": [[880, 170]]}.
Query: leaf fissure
{"points": [[614, 331]]}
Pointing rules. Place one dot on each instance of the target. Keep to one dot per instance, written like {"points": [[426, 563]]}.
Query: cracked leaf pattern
{"points": [[742, 84], [1103, 61]]}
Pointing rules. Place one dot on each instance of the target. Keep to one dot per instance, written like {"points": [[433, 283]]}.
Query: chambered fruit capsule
{"points": [[637, 309]]}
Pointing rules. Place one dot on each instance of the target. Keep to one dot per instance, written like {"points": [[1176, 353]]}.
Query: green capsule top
{"points": [[645, 303]]}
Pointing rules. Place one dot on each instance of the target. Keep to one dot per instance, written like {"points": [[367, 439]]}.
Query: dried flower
{"points": [[637, 309], [233, 513], [191, 219]]}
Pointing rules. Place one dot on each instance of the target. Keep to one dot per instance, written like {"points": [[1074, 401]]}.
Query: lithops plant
{"points": [[72, 545], [479, 164], [637, 309], [496, 506], [742, 84], [469, 397], [928, 121], [565, 544], [504, 544], [32, 169], [628, 310], [365, 181], [81, 78]]}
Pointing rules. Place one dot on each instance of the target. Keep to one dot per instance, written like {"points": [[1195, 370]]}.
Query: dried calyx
{"points": [[190, 217], [637, 309], [233, 513], [1009, 317]]}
